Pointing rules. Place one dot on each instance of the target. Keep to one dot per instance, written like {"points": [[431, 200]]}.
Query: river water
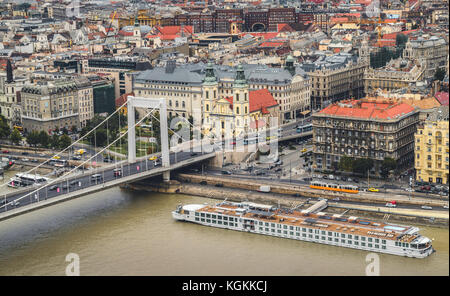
{"points": [[121, 232]]}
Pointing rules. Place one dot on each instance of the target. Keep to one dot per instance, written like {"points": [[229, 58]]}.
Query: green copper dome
{"points": [[210, 77], [240, 80]]}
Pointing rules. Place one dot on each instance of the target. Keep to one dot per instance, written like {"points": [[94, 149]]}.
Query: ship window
{"points": [[377, 240], [330, 233], [267, 229], [349, 242], [291, 227], [219, 222], [349, 236], [203, 220], [369, 239], [356, 243], [219, 217], [196, 219], [304, 234], [363, 238], [370, 245], [377, 246], [323, 232], [225, 223], [310, 230], [383, 241], [317, 237], [343, 241], [261, 229], [330, 239], [304, 229], [202, 214], [213, 221], [231, 224], [208, 220], [342, 235], [279, 231], [213, 216], [310, 235], [225, 218], [278, 225], [272, 224], [297, 233], [260, 223], [196, 214], [356, 237], [383, 247], [336, 240], [363, 244], [208, 215], [291, 233], [323, 238], [273, 230], [284, 232], [266, 224]]}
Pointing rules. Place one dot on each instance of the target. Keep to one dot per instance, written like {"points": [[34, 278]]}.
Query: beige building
{"points": [[433, 51], [49, 105], [85, 100], [399, 73], [432, 148]]}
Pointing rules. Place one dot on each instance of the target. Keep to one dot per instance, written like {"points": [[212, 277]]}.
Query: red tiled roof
{"points": [[442, 97], [272, 44], [266, 36], [173, 30], [122, 99], [368, 109], [260, 99], [284, 28], [125, 33]]}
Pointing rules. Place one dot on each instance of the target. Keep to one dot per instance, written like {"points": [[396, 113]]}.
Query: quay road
{"points": [[393, 194], [84, 180]]}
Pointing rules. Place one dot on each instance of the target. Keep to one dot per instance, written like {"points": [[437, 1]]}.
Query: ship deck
{"points": [[322, 221]]}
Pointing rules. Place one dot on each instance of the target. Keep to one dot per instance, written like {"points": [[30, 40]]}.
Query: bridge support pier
{"points": [[166, 176]]}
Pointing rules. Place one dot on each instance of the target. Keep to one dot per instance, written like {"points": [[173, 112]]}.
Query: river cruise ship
{"points": [[24, 180], [305, 225]]}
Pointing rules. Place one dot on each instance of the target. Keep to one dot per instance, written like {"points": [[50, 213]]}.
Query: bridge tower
{"points": [[160, 104]]}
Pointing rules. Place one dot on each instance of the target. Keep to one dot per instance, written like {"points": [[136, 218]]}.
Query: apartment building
{"points": [[50, 105], [432, 148], [365, 128], [334, 78]]}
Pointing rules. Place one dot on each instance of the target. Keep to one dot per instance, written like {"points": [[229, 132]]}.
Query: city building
{"points": [[397, 74], [50, 105], [334, 78], [372, 128], [432, 50], [432, 148]]}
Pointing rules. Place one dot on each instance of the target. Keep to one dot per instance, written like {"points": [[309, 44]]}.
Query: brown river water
{"points": [[121, 232]]}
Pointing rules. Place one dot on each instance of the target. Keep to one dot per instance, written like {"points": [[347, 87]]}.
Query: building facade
{"points": [[366, 128], [432, 148], [49, 106], [335, 78]]}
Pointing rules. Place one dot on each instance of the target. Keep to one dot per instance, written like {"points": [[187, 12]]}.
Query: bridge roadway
{"points": [[83, 183]]}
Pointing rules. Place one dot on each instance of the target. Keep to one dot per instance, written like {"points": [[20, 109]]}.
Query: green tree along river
{"points": [[121, 232]]}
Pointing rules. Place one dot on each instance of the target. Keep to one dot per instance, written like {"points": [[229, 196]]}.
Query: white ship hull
{"points": [[390, 248]]}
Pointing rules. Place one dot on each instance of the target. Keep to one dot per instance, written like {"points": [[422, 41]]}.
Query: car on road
{"points": [[73, 183], [445, 207], [25, 153], [34, 160], [426, 207], [153, 157], [336, 199], [391, 205], [5, 151], [76, 157], [331, 177], [224, 172], [117, 172], [25, 159], [194, 154], [373, 189], [96, 177], [54, 187], [304, 150], [56, 157]]}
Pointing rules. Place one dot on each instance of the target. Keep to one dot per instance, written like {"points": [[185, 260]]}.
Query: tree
{"points": [[64, 141], [44, 139], [346, 164], [5, 131], [387, 165], [33, 139], [15, 137], [54, 142], [362, 165], [439, 74]]}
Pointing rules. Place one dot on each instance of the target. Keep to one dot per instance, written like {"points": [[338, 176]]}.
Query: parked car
{"points": [[5, 151], [54, 187], [331, 177], [224, 172], [373, 189], [25, 153], [426, 207], [25, 159], [391, 205]]}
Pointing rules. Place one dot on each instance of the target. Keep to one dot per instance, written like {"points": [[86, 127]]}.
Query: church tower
{"points": [[241, 106], [364, 50], [210, 94]]}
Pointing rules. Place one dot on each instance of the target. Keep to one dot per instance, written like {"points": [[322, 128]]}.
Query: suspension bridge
{"points": [[78, 181]]}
